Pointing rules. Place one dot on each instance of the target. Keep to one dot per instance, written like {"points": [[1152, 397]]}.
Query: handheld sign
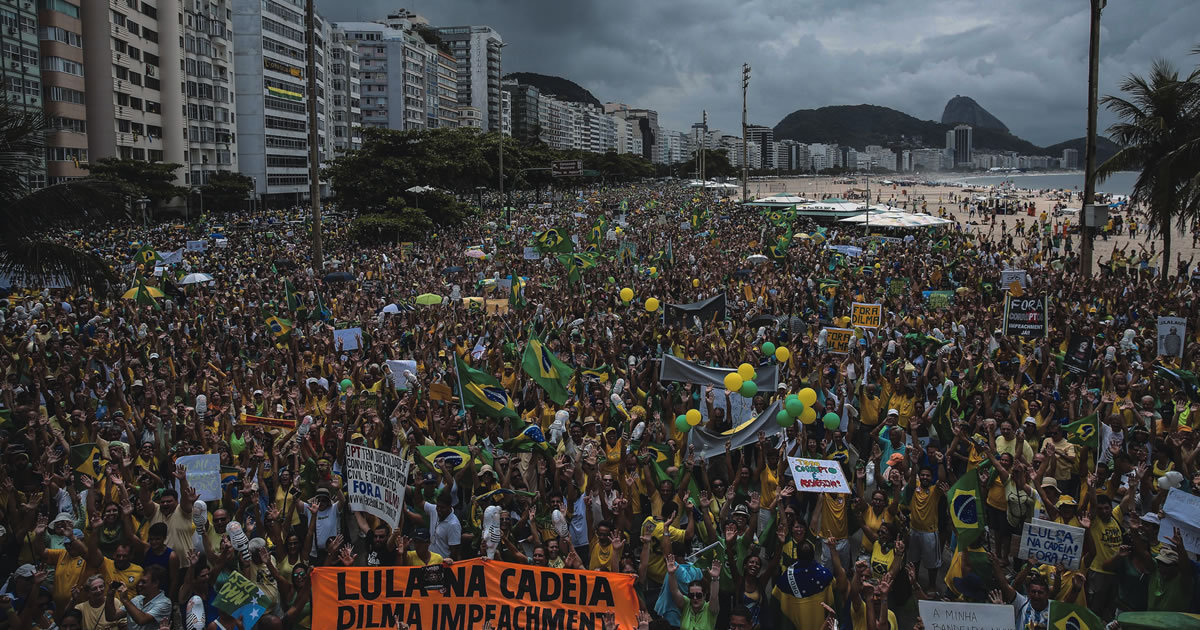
{"points": [[1052, 543], [375, 482], [1025, 316], [866, 315], [962, 616], [818, 475], [1172, 332], [837, 340], [203, 474]]}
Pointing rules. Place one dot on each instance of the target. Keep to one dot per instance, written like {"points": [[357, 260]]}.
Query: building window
{"points": [[64, 95], [54, 33], [62, 6], [66, 154]]}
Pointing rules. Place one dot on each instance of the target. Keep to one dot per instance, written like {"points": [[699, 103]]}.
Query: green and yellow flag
{"points": [[483, 393], [278, 326], [547, 370], [966, 508], [1064, 616], [516, 296], [1084, 431], [596, 235], [86, 459], [553, 240], [293, 300]]}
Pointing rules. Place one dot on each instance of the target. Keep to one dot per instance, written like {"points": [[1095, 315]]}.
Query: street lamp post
{"points": [[144, 203], [1089, 176]]}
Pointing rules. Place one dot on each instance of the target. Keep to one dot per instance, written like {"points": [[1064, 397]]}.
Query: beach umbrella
{"points": [[475, 253], [196, 278], [391, 308], [429, 298], [757, 259], [338, 276], [142, 292]]}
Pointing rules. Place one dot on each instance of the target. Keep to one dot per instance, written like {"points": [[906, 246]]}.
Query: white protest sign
{"points": [[347, 338], [203, 474], [1052, 543], [818, 475], [1183, 513], [398, 368], [740, 408], [531, 253], [1172, 331], [222, 242], [1009, 276], [962, 616], [375, 482], [196, 246]]}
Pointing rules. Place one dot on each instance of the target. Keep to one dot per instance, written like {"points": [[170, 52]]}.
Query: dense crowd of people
{"points": [[100, 527]]}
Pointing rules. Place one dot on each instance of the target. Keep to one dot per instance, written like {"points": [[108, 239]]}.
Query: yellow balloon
{"points": [[782, 354], [626, 294], [733, 382], [808, 396], [809, 415], [693, 417], [746, 371], [651, 304], [695, 282]]}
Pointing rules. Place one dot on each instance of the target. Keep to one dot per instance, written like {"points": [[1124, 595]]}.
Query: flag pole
{"points": [[462, 404]]}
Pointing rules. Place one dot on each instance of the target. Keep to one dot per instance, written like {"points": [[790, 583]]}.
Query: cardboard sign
{"points": [[939, 299], [1172, 333], [1183, 513], [837, 340], [241, 599], [1052, 543], [263, 421], [476, 593], [375, 482], [531, 253], [1009, 276], [347, 339], [866, 315], [398, 368], [203, 474], [818, 475], [1025, 316], [962, 616], [1080, 352], [440, 391]]}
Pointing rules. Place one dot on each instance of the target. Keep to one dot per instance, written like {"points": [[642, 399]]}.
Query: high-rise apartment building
{"points": [[961, 140], [1070, 158], [272, 97], [765, 138], [63, 94], [20, 73], [477, 55], [208, 62], [344, 95], [644, 124]]}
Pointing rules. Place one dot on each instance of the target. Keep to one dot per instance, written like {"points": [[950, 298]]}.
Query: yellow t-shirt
{"points": [[873, 521], [179, 533], [834, 522], [924, 513], [93, 618], [600, 555], [658, 565], [69, 572], [770, 485], [858, 617], [870, 408], [411, 559], [881, 561], [1106, 539], [128, 577]]}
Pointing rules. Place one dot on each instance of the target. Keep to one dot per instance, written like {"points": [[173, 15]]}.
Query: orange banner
{"points": [[273, 423], [472, 593]]}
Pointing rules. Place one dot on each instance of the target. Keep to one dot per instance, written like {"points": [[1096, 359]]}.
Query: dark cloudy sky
{"points": [[1024, 60]]}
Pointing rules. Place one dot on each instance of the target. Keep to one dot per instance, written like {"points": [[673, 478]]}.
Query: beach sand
{"points": [[936, 197]]}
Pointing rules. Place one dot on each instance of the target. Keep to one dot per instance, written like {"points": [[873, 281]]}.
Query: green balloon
{"points": [[749, 389], [681, 423], [612, 280], [768, 349], [832, 421], [783, 419], [794, 407]]}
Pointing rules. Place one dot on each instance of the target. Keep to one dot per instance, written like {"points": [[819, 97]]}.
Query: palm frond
{"points": [[41, 263], [71, 203]]}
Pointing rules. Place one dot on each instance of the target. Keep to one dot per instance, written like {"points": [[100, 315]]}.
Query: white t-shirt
{"points": [[327, 526], [442, 533]]}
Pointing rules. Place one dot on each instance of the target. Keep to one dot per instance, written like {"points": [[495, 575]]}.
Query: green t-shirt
{"points": [[1172, 595], [703, 620]]}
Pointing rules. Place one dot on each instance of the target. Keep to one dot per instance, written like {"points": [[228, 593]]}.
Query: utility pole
{"points": [[314, 156], [1086, 234], [703, 154], [745, 141]]}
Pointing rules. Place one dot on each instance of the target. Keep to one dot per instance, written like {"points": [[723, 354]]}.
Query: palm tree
{"points": [[33, 249], [1158, 121]]}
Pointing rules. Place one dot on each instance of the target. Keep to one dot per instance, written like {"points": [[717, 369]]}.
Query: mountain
{"points": [[860, 125], [563, 89], [1105, 148], [964, 109]]}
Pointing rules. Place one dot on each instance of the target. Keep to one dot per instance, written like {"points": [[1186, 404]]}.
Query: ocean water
{"points": [[1120, 183]]}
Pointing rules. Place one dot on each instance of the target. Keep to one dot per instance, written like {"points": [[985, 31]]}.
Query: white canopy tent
{"points": [[898, 220]]}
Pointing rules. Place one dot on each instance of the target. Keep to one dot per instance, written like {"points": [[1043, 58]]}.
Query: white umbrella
{"points": [[196, 278], [391, 308], [475, 253], [756, 258], [420, 189]]}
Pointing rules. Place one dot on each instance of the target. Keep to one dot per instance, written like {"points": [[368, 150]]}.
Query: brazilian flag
{"points": [[547, 370], [293, 300], [529, 440], [602, 373], [320, 312], [86, 459], [483, 393], [230, 480], [670, 254], [966, 508], [516, 296], [1064, 616], [146, 256], [1084, 431], [942, 244], [698, 218], [278, 326], [553, 240], [456, 456], [627, 253], [596, 235], [777, 252]]}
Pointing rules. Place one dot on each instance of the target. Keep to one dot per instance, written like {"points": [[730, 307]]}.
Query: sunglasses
{"points": [[696, 595]]}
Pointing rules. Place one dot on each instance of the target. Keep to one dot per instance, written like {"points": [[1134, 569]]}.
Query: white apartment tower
{"points": [[477, 53]]}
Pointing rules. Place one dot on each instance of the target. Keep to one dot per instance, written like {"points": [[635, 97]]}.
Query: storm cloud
{"points": [[1024, 60]]}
